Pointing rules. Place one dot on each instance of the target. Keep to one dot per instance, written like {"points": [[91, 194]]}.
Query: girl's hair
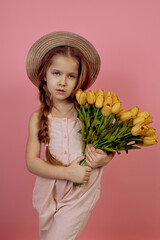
{"points": [[45, 96]]}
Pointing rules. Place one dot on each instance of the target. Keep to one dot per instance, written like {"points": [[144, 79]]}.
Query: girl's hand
{"points": [[97, 157], [77, 173]]}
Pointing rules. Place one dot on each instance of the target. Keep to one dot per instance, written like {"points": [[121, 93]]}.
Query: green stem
{"points": [[83, 111], [96, 114], [128, 134], [102, 119], [88, 108], [115, 122], [94, 109], [83, 162], [101, 144], [112, 115]]}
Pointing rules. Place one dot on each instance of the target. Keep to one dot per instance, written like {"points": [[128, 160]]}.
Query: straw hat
{"points": [[55, 39]]}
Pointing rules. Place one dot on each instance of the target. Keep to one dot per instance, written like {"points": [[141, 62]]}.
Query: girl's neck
{"points": [[63, 110]]}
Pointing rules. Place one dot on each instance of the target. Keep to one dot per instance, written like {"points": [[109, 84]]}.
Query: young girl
{"points": [[59, 64]]}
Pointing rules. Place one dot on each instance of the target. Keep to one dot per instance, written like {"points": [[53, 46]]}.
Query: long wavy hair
{"points": [[45, 96]]}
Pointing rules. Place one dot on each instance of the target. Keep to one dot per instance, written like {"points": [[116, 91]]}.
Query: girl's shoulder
{"points": [[34, 116], [34, 120]]}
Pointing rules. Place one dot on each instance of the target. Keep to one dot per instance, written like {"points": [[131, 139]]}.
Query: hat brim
{"points": [[55, 39]]}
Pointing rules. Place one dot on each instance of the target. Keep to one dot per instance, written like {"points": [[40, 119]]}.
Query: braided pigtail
{"points": [[45, 108]]}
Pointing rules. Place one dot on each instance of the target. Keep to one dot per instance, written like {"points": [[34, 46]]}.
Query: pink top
{"points": [[50, 195]]}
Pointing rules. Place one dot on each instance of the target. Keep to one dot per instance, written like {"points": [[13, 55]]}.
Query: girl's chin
{"points": [[61, 97]]}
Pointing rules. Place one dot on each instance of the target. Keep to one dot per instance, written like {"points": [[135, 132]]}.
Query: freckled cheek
{"points": [[75, 83], [50, 86], [73, 86]]}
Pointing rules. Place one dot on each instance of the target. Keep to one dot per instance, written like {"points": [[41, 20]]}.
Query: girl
{"points": [[59, 64]]}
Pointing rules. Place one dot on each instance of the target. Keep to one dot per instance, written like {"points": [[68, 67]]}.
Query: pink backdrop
{"points": [[126, 35]]}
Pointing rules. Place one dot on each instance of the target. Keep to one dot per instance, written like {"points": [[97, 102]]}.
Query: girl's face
{"points": [[62, 77]]}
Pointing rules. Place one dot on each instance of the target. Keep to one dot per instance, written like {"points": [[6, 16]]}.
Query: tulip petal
{"points": [[82, 99], [99, 101], [78, 93], [125, 116], [106, 111], [116, 107]]}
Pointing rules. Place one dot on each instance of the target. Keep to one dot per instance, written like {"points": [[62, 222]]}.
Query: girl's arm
{"points": [[97, 157], [74, 172]]}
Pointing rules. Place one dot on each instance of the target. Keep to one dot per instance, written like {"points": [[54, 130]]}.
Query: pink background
{"points": [[126, 34]]}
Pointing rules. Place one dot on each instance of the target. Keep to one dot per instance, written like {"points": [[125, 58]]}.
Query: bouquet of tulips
{"points": [[107, 126]]}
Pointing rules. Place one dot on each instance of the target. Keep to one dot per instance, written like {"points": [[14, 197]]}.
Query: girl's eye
{"points": [[56, 73], [71, 76]]}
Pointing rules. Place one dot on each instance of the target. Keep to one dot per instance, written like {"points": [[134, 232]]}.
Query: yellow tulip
{"points": [[92, 91], [78, 93], [150, 132], [108, 101], [122, 111], [147, 141], [106, 111], [116, 107], [143, 114], [142, 120], [82, 98], [148, 120], [91, 97], [139, 130], [125, 116], [108, 94], [99, 101], [99, 92], [154, 136], [114, 98], [138, 120], [134, 111], [136, 130]]}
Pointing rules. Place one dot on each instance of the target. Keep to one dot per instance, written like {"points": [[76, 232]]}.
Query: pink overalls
{"points": [[63, 208]]}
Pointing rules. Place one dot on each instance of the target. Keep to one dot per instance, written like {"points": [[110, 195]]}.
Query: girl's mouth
{"points": [[61, 91]]}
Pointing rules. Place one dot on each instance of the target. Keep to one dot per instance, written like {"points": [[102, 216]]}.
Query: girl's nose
{"points": [[63, 80]]}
